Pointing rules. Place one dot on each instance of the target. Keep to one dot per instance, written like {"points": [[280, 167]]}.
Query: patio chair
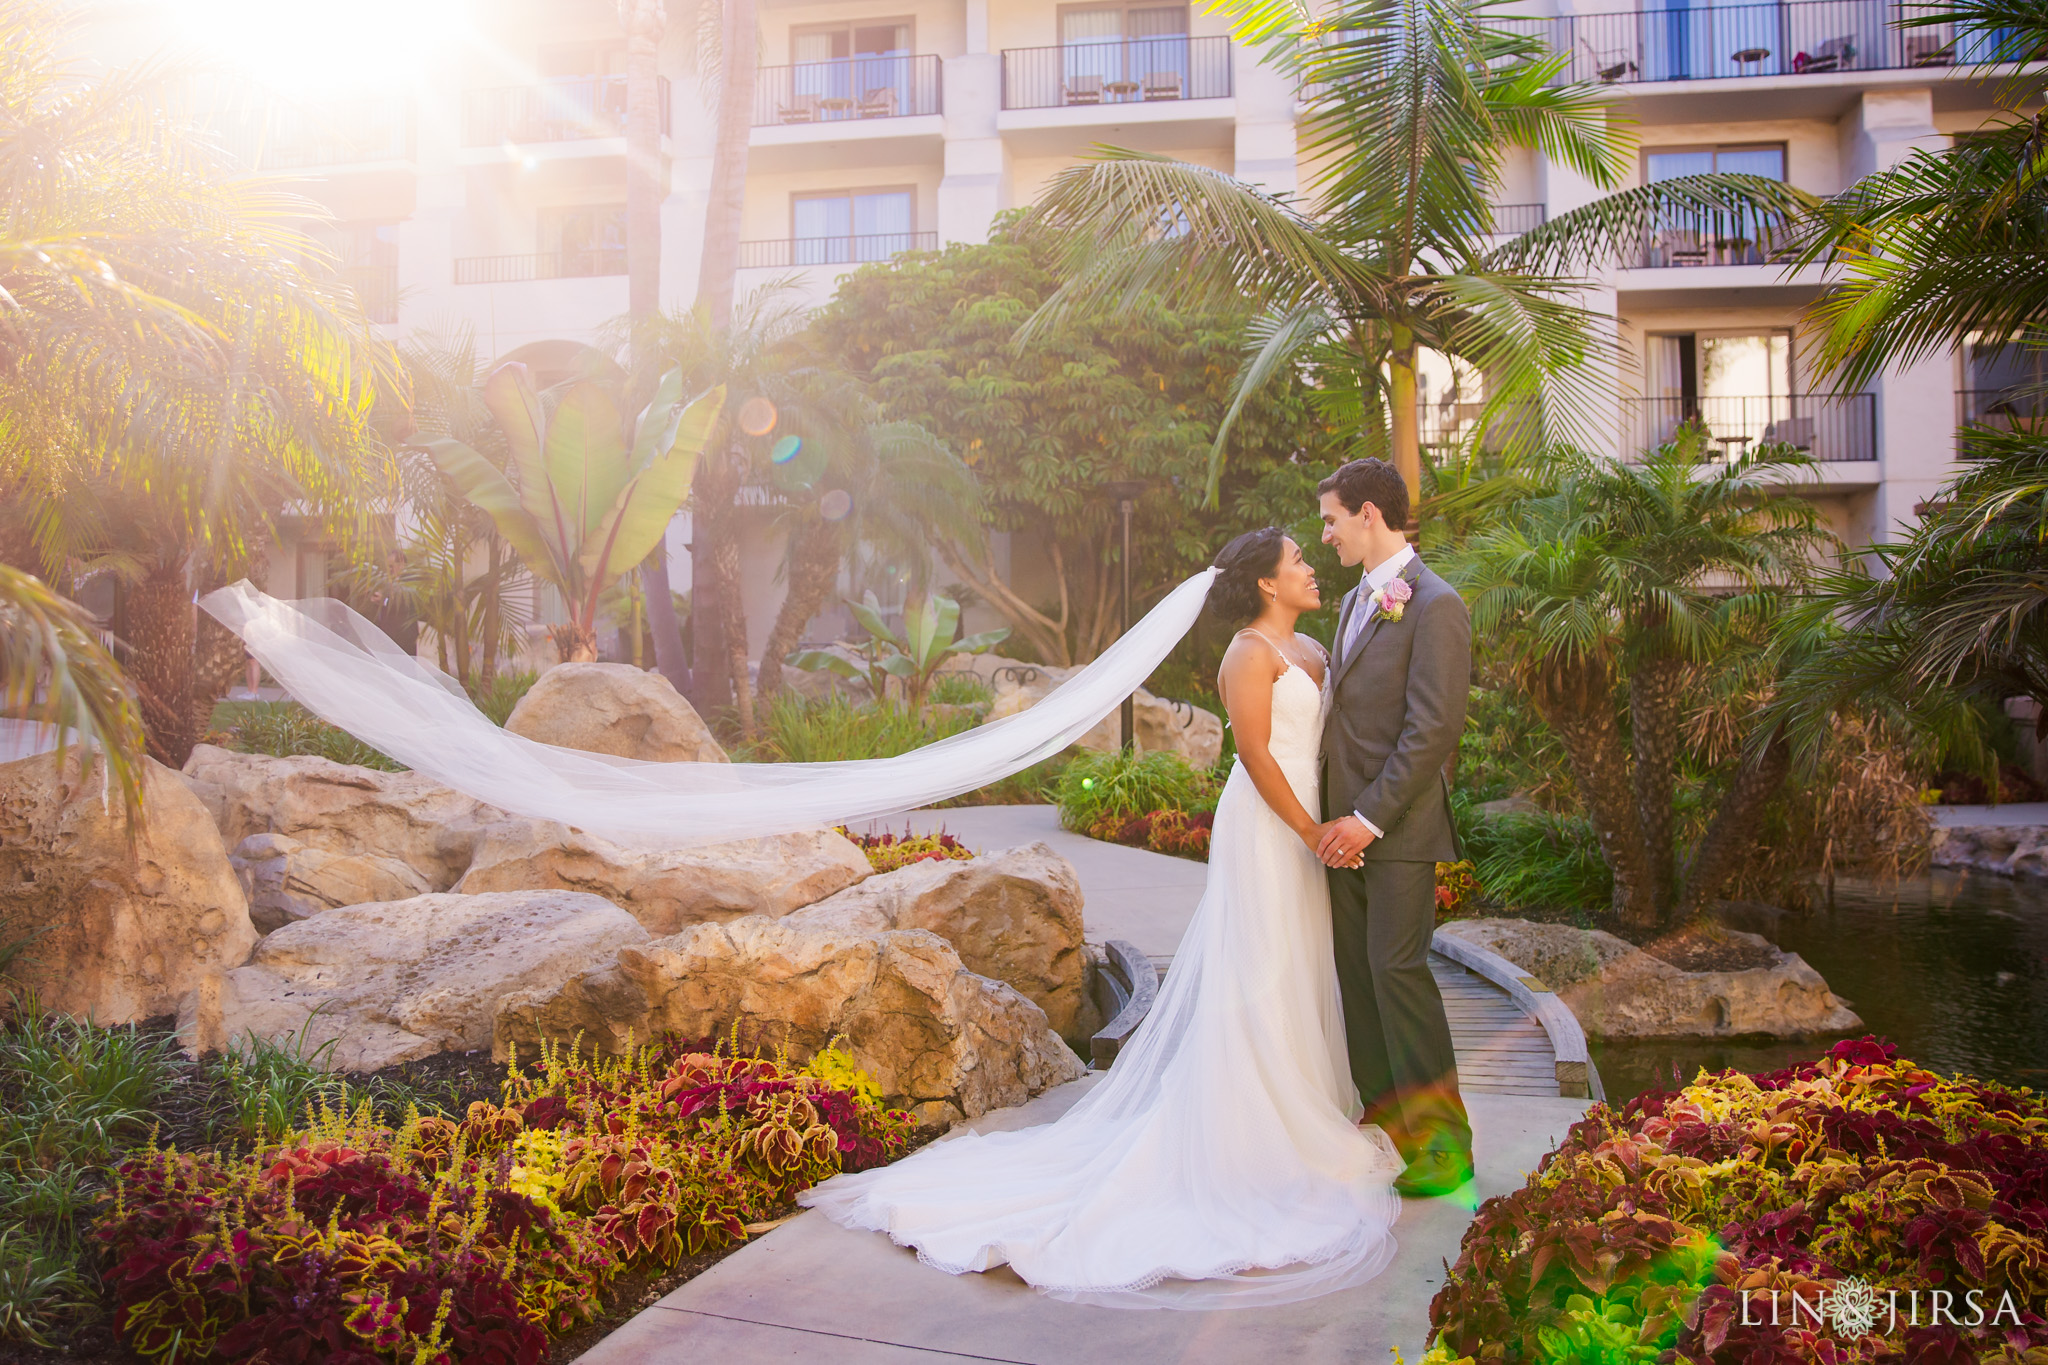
{"points": [[801, 109], [1084, 90], [1610, 66], [880, 103], [1930, 49], [1162, 85], [1796, 432], [1836, 54]]}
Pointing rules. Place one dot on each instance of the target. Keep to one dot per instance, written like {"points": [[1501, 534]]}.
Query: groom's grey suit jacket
{"points": [[1395, 717]]}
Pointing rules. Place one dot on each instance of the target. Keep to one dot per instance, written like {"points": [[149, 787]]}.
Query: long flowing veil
{"points": [[346, 671]]}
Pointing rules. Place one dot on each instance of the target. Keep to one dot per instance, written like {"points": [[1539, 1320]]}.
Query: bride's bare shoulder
{"points": [[1250, 657]]}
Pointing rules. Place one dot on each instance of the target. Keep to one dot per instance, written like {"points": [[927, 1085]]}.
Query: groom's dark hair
{"points": [[1359, 482]]}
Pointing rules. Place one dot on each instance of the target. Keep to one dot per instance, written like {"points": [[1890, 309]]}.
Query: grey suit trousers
{"points": [[1383, 914]]}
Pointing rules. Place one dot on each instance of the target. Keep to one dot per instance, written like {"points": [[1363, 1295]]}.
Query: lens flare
{"points": [[757, 416], [836, 505], [785, 450]]}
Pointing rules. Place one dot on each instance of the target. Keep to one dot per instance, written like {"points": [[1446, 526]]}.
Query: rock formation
{"points": [[937, 1038], [1162, 726], [118, 936], [669, 890], [286, 880], [1014, 915], [394, 981], [614, 709]]}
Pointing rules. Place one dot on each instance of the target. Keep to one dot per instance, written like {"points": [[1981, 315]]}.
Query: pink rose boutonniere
{"points": [[1392, 600]]}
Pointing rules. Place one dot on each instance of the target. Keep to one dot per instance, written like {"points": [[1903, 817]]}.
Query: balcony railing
{"points": [[1717, 239], [1829, 427], [376, 289], [542, 265], [2018, 409], [1797, 38], [568, 109], [1120, 71], [336, 133], [847, 88], [785, 253], [1512, 220]]}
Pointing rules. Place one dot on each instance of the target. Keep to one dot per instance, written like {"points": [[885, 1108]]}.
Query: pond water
{"points": [[1952, 967]]}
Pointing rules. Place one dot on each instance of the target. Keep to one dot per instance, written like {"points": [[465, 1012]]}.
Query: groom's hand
{"points": [[1343, 841]]}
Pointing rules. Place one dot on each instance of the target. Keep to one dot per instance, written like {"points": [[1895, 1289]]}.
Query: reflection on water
{"points": [[1952, 967]]}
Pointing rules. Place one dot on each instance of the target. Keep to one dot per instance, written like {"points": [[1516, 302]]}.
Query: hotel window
{"points": [[585, 239], [1740, 238], [1737, 384], [1118, 51], [862, 63], [852, 225]]}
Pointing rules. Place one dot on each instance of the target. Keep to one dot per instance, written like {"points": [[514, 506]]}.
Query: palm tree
{"points": [[1591, 579], [178, 362], [1412, 106], [889, 489], [53, 669]]}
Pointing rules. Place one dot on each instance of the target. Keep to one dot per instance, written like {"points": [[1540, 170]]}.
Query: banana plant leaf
{"points": [[658, 482], [823, 661], [483, 485], [515, 404], [982, 643]]}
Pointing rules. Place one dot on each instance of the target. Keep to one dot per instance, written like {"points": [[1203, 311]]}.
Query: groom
{"points": [[1403, 664]]}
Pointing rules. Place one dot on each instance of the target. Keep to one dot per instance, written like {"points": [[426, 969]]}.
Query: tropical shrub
{"points": [[285, 729], [1095, 786], [800, 729], [1856, 1182], [504, 692], [437, 1240], [887, 852], [961, 689]]}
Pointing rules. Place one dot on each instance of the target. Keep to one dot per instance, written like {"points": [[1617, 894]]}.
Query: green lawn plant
{"points": [[285, 729], [584, 498], [1095, 787], [833, 729]]}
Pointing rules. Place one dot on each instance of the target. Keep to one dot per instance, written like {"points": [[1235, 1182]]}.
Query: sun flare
{"points": [[299, 46]]}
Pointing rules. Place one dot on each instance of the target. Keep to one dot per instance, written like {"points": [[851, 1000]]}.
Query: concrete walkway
{"points": [[813, 1292]]}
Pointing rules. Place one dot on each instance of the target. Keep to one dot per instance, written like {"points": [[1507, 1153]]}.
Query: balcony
{"points": [[1512, 220], [1798, 38], [585, 262], [2021, 409], [1121, 71], [376, 288], [785, 253], [1716, 239], [849, 89], [571, 109], [336, 133], [1831, 428]]}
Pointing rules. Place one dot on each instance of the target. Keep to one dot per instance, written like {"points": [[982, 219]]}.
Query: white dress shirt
{"points": [[1363, 610]]}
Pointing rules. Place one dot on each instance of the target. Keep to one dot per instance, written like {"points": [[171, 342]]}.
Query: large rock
{"points": [[342, 809], [1619, 991], [395, 981], [614, 709], [1014, 915], [2005, 850], [938, 1039], [1162, 726], [119, 935], [286, 880], [669, 889]]}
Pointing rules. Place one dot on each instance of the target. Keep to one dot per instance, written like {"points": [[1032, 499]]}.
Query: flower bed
{"points": [[1800, 1216], [438, 1241], [1163, 831], [887, 852]]}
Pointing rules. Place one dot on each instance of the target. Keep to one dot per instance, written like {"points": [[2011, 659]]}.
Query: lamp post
{"points": [[1125, 493]]}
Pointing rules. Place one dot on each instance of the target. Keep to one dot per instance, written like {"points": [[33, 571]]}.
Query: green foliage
{"points": [[1133, 390], [285, 729], [798, 729], [1037, 785], [503, 694], [1544, 860], [1095, 787], [271, 1087], [913, 656], [54, 669], [39, 1288], [961, 689]]}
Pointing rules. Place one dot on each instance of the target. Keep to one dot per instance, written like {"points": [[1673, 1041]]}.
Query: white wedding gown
{"points": [[1218, 1163]]}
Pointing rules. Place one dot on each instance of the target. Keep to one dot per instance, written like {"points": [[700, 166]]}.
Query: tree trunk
{"points": [[669, 659], [725, 564], [728, 190], [1575, 699], [813, 567], [1405, 419], [1730, 838], [1655, 689], [711, 518], [645, 22], [161, 625], [487, 667]]}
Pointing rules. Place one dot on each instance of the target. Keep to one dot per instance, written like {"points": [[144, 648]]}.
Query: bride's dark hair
{"points": [[1234, 596]]}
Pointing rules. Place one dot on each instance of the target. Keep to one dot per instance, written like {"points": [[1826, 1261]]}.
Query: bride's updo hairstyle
{"points": [[1234, 597]]}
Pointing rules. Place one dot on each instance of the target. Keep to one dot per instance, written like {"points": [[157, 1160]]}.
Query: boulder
{"points": [[1619, 991], [614, 709], [1014, 915], [938, 1039], [286, 880], [119, 934], [395, 981], [2004, 850], [342, 809], [670, 889], [1162, 726]]}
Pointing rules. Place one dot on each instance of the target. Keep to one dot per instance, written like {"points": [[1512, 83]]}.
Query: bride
{"points": [[1219, 1162]]}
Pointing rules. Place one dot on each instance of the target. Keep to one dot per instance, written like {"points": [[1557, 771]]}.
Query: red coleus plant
{"points": [[1692, 1225]]}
